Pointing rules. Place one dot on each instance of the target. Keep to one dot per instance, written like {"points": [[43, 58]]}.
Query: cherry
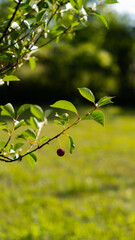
{"points": [[60, 152]]}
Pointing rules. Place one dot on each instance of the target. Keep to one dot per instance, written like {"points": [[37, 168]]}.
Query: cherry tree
{"points": [[31, 25]]}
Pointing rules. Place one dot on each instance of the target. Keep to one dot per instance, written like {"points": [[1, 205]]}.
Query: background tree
{"points": [[93, 58]]}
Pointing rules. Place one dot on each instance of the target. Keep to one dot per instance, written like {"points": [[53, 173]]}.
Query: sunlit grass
{"points": [[89, 195]]}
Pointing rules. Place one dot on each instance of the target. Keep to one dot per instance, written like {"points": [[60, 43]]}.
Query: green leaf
{"points": [[40, 15], [2, 144], [72, 145], [44, 139], [76, 26], [18, 145], [34, 122], [98, 116], [3, 123], [62, 122], [59, 29], [19, 124], [47, 112], [8, 110], [21, 137], [88, 117], [64, 117], [32, 62], [4, 129], [87, 93], [37, 111], [111, 1], [10, 78], [75, 4], [102, 18], [23, 108], [63, 104], [82, 3], [32, 159], [30, 133], [103, 101]]}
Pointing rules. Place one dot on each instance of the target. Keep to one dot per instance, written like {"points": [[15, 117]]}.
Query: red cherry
{"points": [[60, 152]]}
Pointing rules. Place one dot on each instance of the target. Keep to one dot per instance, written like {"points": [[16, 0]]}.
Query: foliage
{"points": [[92, 59], [10, 152], [28, 22]]}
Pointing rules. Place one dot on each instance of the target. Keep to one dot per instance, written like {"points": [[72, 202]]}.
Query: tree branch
{"points": [[20, 39], [7, 159], [8, 141], [49, 41], [10, 21], [51, 17], [10, 67]]}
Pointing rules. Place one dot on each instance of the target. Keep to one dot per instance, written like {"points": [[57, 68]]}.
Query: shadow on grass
{"points": [[30, 236], [85, 190]]}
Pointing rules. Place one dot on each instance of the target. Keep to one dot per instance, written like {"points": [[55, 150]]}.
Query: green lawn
{"points": [[89, 195]]}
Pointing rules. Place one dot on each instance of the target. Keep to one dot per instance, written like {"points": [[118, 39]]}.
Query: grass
{"points": [[89, 195]]}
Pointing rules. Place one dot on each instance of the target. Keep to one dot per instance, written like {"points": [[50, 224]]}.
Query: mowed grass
{"points": [[89, 195]]}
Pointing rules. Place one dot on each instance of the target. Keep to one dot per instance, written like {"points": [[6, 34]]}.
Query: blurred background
{"points": [[91, 193], [100, 59]]}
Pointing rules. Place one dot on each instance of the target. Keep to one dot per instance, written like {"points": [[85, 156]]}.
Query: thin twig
{"points": [[9, 67], [60, 34], [20, 39], [8, 159], [7, 141], [13, 30], [15, 64], [51, 17], [10, 21]]}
